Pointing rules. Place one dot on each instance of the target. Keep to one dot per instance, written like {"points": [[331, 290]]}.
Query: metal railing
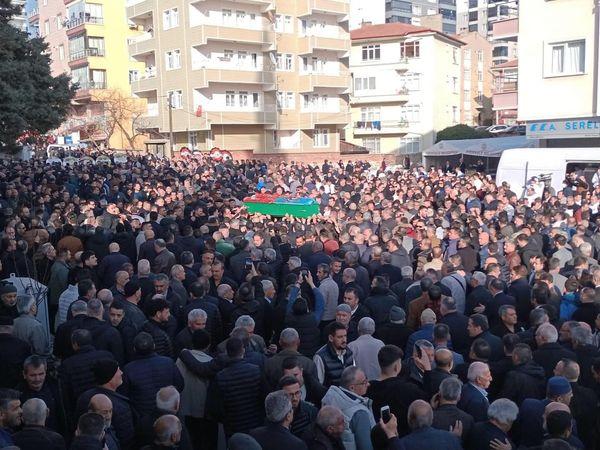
{"points": [[85, 53], [75, 22], [87, 85]]}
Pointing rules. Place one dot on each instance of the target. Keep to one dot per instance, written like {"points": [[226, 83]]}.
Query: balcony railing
{"points": [[75, 22], [87, 85], [85, 53], [508, 86], [33, 12]]}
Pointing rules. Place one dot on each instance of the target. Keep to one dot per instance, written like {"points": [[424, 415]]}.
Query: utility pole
{"points": [[171, 140]]}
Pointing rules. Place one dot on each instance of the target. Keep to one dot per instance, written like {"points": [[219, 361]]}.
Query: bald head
{"points": [[101, 404], [443, 358], [420, 415], [167, 430], [555, 406]]}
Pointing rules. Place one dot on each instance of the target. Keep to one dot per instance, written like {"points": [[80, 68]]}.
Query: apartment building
{"points": [[480, 15], [476, 80], [406, 87], [409, 11], [19, 20], [48, 19], [261, 75], [558, 72]]}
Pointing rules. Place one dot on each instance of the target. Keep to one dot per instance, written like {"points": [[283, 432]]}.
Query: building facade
{"points": [[480, 15], [476, 87], [558, 72], [260, 75], [406, 87], [19, 20], [406, 11]]}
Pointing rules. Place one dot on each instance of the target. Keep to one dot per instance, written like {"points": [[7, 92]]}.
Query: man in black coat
{"points": [[34, 434], [276, 435], [395, 332], [521, 290], [108, 378], [199, 299], [588, 310], [473, 399], [104, 335], [90, 433], [526, 379], [326, 433], [586, 353], [237, 262], [380, 301], [62, 340], [391, 390], [479, 295], [502, 413], [478, 328], [549, 352], [158, 313], [446, 414], [13, 352], [499, 298], [111, 264], [75, 373], [457, 322], [433, 377]]}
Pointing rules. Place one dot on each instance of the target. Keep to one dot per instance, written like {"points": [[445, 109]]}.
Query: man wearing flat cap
{"points": [[8, 301]]}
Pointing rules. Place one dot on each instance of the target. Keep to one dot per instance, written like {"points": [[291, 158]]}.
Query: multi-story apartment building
{"points": [[558, 72], [19, 20], [476, 87], [505, 72], [261, 75], [48, 19], [479, 15], [406, 11], [406, 87]]}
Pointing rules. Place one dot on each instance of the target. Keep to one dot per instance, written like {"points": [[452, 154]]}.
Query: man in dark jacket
{"points": [[380, 301], [473, 399], [143, 377], [446, 414], [391, 390], [276, 434], [334, 357], [158, 312], [420, 419], [8, 301], [304, 412], [502, 413], [111, 264], [326, 433], [34, 434], [289, 341], [526, 379], [394, 332], [237, 262], [62, 340], [478, 328], [236, 396], [121, 323], [104, 336], [519, 288], [13, 352], [199, 299], [75, 373], [108, 378], [457, 322], [90, 433], [549, 352]]}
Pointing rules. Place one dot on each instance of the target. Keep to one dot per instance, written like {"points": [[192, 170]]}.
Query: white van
{"points": [[518, 165]]}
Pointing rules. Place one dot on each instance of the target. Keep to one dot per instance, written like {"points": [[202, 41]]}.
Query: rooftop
{"points": [[396, 29]]}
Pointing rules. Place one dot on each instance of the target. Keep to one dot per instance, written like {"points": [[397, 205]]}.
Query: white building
{"points": [[406, 87], [558, 72]]}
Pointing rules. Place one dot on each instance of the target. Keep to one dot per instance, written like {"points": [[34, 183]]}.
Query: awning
{"points": [[488, 147]]}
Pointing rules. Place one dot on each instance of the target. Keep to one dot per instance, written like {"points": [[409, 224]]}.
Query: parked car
{"points": [[516, 130], [497, 129]]}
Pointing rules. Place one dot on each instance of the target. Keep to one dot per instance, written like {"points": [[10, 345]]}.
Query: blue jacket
{"points": [[425, 332], [428, 438], [145, 376], [319, 302], [473, 402]]}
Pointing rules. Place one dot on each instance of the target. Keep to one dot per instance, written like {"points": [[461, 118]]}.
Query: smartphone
{"points": [[304, 273], [248, 263], [385, 414], [419, 351]]}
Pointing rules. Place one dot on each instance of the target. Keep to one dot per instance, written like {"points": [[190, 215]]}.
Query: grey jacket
{"points": [[28, 329], [365, 350], [358, 417], [330, 291], [193, 397]]}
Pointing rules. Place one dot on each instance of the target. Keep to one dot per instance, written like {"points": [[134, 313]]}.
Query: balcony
{"points": [[506, 30], [400, 96], [201, 34], [75, 26], [340, 9], [85, 53], [86, 89], [506, 86], [308, 44], [142, 44], [145, 83], [33, 15], [310, 120], [266, 5], [268, 117], [137, 8], [380, 127], [205, 76], [505, 100], [309, 82]]}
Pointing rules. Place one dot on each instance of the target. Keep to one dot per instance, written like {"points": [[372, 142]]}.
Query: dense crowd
{"points": [[420, 308]]}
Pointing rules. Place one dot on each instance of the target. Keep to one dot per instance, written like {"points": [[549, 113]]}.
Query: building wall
{"points": [[54, 13], [205, 39], [541, 95], [408, 11], [476, 109], [434, 95]]}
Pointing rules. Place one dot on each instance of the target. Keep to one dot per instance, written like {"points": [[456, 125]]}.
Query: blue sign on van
{"points": [[564, 129]]}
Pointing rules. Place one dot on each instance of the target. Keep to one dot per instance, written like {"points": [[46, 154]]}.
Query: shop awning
{"points": [[488, 147]]}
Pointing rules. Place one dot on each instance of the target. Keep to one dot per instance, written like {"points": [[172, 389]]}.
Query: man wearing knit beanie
{"points": [[108, 378], [8, 301]]}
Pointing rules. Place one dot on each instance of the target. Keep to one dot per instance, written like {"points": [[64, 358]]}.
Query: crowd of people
{"points": [[420, 308]]}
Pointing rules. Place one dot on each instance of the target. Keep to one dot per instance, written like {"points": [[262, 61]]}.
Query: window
{"points": [[567, 58], [371, 52], [93, 12], [46, 28], [479, 55], [227, 55], [480, 75], [173, 59], [61, 52], [175, 99], [416, 9], [242, 58], [370, 113], [134, 75], [409, 145], [411, 113], [283, 62], [279, 23], [305, 101], [411, 82], [321, 137], [243, 96], [373, 144], [255, 100], [193, 139], [455, 85], [170, 18], [454, 114], [59, 21], [410, 49], [254, 59], [367, 83], [454, 56], [283, 24], [288, 25], [279, 61], [230, 98], [288, 62], [285, 100], [96, 45], [240, 17], [226, 15]]}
